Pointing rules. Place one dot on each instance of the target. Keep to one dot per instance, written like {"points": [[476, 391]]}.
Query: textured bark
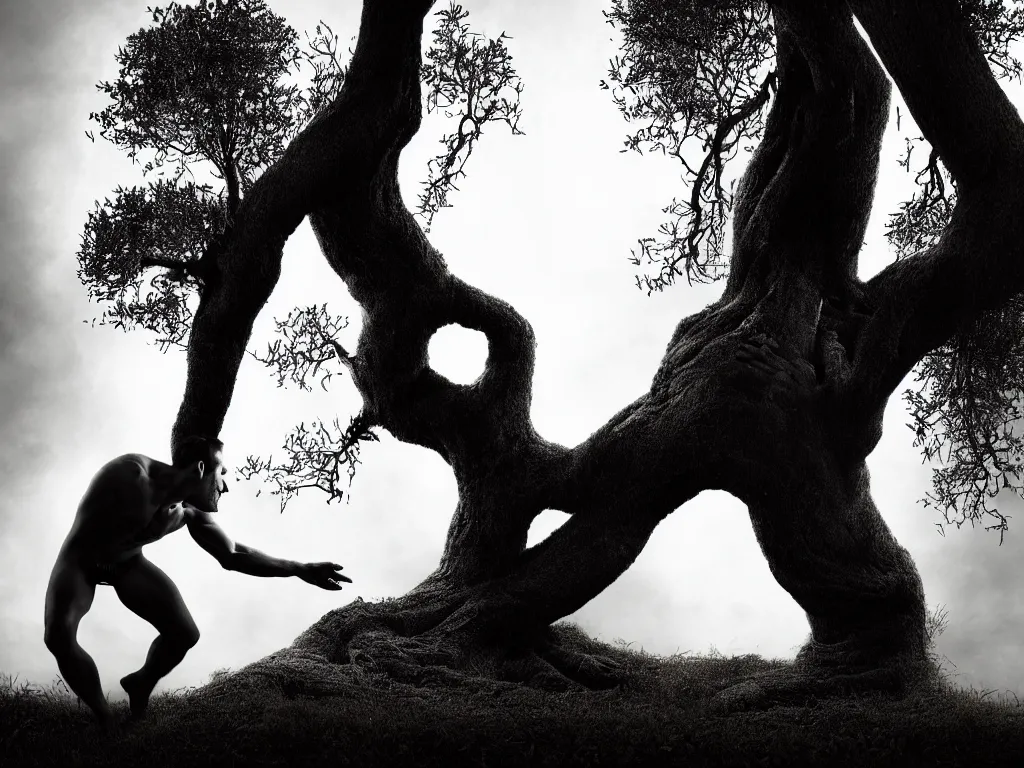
{"points": [[919, 302], [775, 393]]}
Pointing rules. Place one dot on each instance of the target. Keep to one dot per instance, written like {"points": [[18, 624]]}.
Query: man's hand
{"points": [[323, 575]]}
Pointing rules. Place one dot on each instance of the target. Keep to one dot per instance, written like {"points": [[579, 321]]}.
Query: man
{"points": [[133, 501]]}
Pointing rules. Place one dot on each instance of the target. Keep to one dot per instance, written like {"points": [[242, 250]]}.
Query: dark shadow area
{"points": [[664, 712]]}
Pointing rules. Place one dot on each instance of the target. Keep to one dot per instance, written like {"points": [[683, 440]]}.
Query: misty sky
{"points": [[545, 221]]}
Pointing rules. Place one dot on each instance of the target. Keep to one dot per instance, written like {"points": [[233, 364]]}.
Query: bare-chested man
{"points": [[133, 501]]}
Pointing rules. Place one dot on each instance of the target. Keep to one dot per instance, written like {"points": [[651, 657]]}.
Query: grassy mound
{"points": [[662, 714]]}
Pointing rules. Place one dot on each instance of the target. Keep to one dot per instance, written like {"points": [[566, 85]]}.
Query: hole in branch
{"points": [[458, 353], [544, 524]]}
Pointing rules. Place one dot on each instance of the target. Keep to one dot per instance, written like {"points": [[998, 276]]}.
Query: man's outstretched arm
{"points": [[238, 557]]}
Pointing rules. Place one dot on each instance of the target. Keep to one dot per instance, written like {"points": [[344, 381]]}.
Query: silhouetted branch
{"points": [[317, 457], [306, 344], [164, 225], [966, 413], [471, 78], [697, 85], [920, 220], [328, 72]]}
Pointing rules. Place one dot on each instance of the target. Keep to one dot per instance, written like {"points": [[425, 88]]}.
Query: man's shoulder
{"points": [[135, 464], [128, 461], [121, 472]]}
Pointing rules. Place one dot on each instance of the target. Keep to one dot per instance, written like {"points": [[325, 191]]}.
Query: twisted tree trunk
{"points": [[775, 393]]}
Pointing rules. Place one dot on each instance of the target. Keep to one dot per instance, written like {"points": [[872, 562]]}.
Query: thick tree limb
{"points": [[375, 245], [307, 175], [506, 473], [929, 51], [806, 195], [977, 264]]}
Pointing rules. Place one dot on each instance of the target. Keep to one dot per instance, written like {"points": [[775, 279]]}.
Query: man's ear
{"points": [[201, 468]]}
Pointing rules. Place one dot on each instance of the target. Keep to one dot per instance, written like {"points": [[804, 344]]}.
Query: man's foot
{"points": [[138, 689]]}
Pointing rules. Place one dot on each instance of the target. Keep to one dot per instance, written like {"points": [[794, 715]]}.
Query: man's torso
{"points": [[124, 508]]}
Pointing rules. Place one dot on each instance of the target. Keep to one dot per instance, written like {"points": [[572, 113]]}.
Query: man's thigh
{"points": [[149, 593], [69, 597]]}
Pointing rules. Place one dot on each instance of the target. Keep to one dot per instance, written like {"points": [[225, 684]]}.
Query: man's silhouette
{"points": [[133, 501]]}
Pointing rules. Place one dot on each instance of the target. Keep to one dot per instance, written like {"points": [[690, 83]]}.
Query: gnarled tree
{"points": [[774, 393]]}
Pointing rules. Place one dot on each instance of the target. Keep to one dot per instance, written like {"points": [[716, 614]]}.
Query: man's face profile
{"points": [[213, 483]]}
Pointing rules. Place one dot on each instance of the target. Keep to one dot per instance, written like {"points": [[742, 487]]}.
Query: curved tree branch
{"points": [[375, 245], [306, 175], [697, 86], [806, 196], [977, 264]]}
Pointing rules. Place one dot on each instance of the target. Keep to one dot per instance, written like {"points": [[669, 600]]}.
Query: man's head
{"points": [[202, 459]]}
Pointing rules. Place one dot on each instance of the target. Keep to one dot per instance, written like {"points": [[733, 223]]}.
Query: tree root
{"points": [[356, 647], [359, 645], [589, 670], [551, 663], [801, 684]]}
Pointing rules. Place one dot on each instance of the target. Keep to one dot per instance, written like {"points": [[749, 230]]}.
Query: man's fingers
{"points": [[326, 576], [332, 566], [338, 576]]}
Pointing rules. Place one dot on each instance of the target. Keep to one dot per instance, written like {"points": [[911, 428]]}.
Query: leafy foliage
{"points": [[211, 86], [471, 78], [967, 415], [919, 221], [306, 343], [328, 72], [317, 456], [696, 77], [162, 222], [205, 83], [997, 23]]}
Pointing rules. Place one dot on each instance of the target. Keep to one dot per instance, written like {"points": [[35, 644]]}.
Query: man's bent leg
{"points": [[69, 597], [149, 593]]}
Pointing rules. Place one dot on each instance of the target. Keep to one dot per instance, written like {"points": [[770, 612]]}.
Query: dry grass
{"points": [[660, 715]]}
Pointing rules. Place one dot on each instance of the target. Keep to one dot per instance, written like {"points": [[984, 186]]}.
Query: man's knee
{"points": [[186, 637], [58, 638]]}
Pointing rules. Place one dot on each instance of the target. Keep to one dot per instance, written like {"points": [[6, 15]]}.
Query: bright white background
{"points": [[544, 221]]}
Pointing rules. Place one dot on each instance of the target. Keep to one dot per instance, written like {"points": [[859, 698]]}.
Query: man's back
{"points": [[124, 507]]}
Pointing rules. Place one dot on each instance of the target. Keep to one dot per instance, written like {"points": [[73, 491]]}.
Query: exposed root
{"points": [[794, 688], [359, 645], [799, 685], [382, 647], [587, 669], [550, 664]]}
